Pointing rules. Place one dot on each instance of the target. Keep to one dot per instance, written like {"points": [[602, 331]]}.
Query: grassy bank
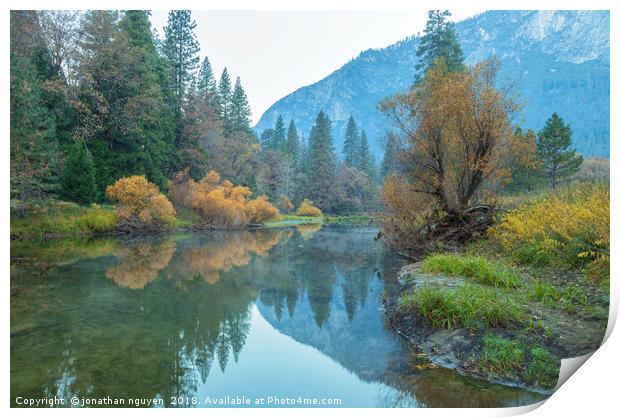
{"points": [[54, 218], [535, 290], [57, 218], [291, 220]]}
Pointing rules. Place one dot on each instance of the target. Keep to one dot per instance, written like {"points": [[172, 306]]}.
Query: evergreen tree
{"points": [[439, 42], [240, 111], [207, 87], [362, 160], [266, 139], [390, 158], [181, 50], [225, 100], [351, 140], [131, 127], [292, 143], [78, 176], [278, 141], [33, 143], [559, 160], [321, 164]]}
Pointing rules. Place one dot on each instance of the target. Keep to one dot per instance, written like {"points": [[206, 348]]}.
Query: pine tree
{"points": [[321, 164], [240, 111], [278, 140], [225, 99], [292, 143], [362, 155], [181, 49], [130, 128], [439, 42], [207, 87], [390, 158], [351, 140], [553, 144], [33, 143], [78, 176]]}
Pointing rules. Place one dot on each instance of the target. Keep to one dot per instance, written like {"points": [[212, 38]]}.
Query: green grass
{"points": [[290, 220], [63, 218], [476, 268], [543, 292], [502, 357], [470, 306], [347, 219], [542, 369]]}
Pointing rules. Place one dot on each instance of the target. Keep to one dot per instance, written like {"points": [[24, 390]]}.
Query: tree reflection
{"points": [[220, 253], [140, 263], [155, 319]]}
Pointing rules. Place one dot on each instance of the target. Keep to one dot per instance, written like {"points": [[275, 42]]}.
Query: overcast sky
{"points": [[275, 53]]}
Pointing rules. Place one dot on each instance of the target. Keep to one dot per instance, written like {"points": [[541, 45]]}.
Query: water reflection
{"points": [[230, 311]]}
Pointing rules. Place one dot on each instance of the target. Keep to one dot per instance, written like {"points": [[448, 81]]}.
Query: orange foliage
{"points": [[220, 203], [306, 208], [260, 210], [140, 202], [215, 257], [140, 264]]}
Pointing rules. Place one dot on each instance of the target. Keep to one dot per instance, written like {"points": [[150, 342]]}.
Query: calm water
{"points": [[287, 313]]}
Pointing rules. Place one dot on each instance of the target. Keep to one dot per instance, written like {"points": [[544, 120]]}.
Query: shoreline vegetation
{"points": [[52, 219], [510, 305]]}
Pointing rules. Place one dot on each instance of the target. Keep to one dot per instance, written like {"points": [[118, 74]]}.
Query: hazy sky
{"points": [[277, 52]]}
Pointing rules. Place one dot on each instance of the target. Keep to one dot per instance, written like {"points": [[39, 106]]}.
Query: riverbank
{"points": [[510, 306], [58, 219]]}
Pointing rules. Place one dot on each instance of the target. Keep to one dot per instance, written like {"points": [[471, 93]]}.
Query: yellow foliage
{"points": [[140, 201], [260, 210], [306, 208], [563, 228], [285, 204], [220, 203], [140, 264], [211, 260]]}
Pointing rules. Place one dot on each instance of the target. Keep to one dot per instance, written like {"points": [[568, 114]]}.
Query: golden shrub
{"points": [[568, 227], [306, 208], [140, 202], [260, 210], [220, 203]]}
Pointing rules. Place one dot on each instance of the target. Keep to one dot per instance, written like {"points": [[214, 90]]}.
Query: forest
{"points": [[99, 97]]}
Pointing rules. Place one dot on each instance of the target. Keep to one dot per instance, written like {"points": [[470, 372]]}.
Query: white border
{"points": [[592, 391]]}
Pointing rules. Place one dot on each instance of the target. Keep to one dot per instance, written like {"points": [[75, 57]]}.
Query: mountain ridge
{"points": [[558, 60]]}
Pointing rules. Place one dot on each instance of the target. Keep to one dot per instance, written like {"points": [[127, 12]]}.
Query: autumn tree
{"points": [[354, 190], [525, 163], [559, 160], [458, 136]]}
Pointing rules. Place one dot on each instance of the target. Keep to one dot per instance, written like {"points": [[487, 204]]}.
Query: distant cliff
{"points": [[557, 60]]}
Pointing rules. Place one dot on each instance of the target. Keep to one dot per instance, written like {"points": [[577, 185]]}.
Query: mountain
{"points": [[558, 61]]}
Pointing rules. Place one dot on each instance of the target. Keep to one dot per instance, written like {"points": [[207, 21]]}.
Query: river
{"points": [[292, 316]]}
